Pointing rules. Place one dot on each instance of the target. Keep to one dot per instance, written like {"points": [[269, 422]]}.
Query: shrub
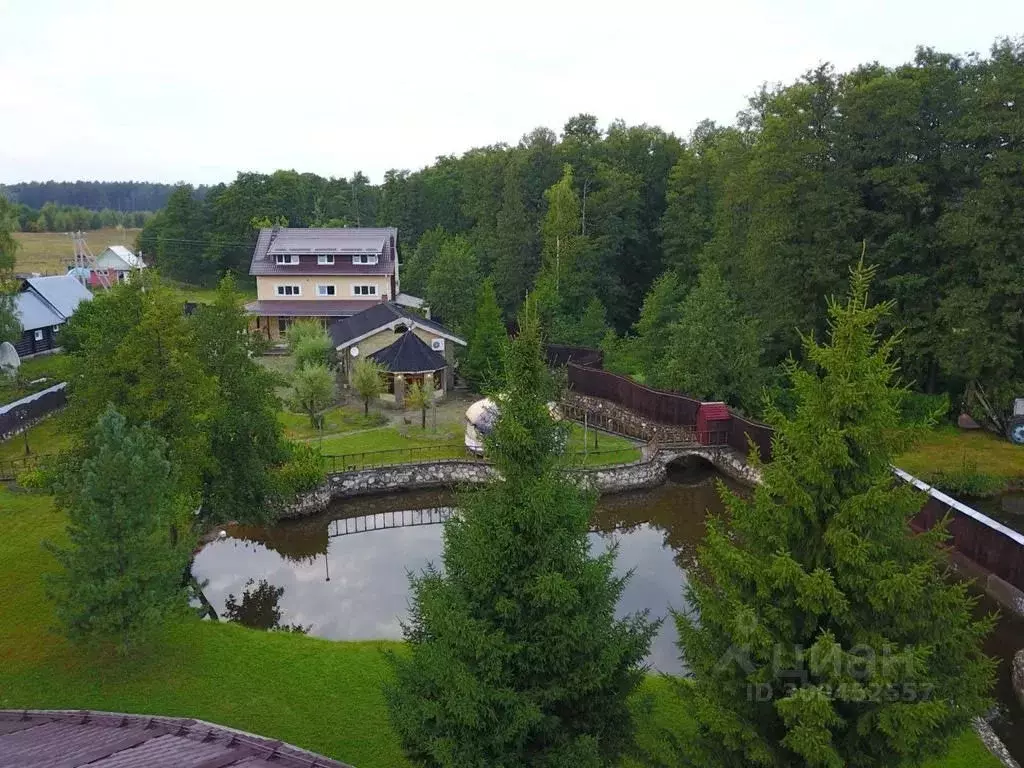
{"points": [[303, 471]]}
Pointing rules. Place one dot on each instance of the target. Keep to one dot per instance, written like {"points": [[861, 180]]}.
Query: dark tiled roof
{"points": [[409, 354], [342, 242], [309, 308], [38, 739], [378, 317]]}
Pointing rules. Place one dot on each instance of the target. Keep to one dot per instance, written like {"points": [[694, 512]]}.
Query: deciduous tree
{"points": [[10, 325], [368, 380], [314, 390], [454, 271], [245, 437]]}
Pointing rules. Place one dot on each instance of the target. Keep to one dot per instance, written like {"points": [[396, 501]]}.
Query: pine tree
{"points": [[515, 655], [593, 326], [483, 357], [825, 633], [121, 573], [713, 349]]}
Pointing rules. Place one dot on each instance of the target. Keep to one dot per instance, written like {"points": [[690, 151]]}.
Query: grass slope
{"points": [[51, 253], [318, 694]]}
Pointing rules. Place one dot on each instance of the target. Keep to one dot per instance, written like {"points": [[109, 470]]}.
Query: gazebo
{"points": [[409, 361]]}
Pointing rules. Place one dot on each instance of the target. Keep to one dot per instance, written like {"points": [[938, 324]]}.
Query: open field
{"points": [[50, 253], [318, 694]]}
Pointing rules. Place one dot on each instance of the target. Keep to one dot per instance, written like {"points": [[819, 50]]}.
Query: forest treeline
{"points": [[66, 218], [697, 263], [92, 195]]}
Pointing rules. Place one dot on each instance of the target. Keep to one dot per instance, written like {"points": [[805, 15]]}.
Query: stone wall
{"points": [[403, 477], [453, 473]]}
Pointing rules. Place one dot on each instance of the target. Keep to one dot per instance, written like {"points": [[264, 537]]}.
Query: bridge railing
{"points": [[11, 468], [344, 462]]}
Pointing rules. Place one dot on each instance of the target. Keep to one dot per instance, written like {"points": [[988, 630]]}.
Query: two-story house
{"points": [[324, 274]]}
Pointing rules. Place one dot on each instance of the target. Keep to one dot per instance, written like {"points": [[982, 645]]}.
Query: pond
{"points": [[337, 576], [343, 575]]}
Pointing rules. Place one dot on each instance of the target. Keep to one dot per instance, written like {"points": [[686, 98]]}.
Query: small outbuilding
{"points": [[116, 264], [43, 305], [408, 361], [713, 422], [385, 326]]}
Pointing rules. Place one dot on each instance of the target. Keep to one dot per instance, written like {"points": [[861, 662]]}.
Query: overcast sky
{"points": [[197, 91]]}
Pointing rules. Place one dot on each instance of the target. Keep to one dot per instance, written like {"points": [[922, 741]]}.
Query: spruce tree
{"points": [[515, 655], [482, 366], [824, 632], [128, 529]]}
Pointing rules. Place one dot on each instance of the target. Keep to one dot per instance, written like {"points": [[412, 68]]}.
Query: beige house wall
{"points": [[266, 287]]}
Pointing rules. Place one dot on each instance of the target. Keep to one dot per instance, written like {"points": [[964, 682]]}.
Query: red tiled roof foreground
{"points": [[44, 739]]}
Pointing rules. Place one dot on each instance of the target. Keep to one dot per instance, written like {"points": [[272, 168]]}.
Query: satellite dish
{"points": [[354, 351]]}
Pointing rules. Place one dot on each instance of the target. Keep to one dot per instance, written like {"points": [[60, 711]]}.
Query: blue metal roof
{"points": [[63, 292], [34, 313]]}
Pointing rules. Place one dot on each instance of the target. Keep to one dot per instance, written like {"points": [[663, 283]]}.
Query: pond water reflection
{"points": [[354, 586]]}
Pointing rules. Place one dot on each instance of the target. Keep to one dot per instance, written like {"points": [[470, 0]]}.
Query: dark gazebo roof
{"points": [[100, 739], [409, 355]]}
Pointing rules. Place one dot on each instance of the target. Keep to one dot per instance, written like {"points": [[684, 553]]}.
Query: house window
{"points": [[289, 290], [325, 258], [38, 335], [286, 258], [364, 259], [364, 290], [325, 290]]}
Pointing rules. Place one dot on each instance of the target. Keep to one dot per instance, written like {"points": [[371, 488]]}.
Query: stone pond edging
{"points": [[453, 473]]}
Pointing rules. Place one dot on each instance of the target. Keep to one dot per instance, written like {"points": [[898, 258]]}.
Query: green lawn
{"points": [[318, 694], [51, 367], [602, 448], [336, 420], [947, 450], [48, 436], [206, 294]]}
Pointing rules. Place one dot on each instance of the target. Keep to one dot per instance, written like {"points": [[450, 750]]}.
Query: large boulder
{"points": [[1017, 673], [9, 360]]}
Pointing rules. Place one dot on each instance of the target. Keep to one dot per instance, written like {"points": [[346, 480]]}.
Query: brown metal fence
{"points": [[664, 407], [740, 429], [15, 416], [986, 546]]}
